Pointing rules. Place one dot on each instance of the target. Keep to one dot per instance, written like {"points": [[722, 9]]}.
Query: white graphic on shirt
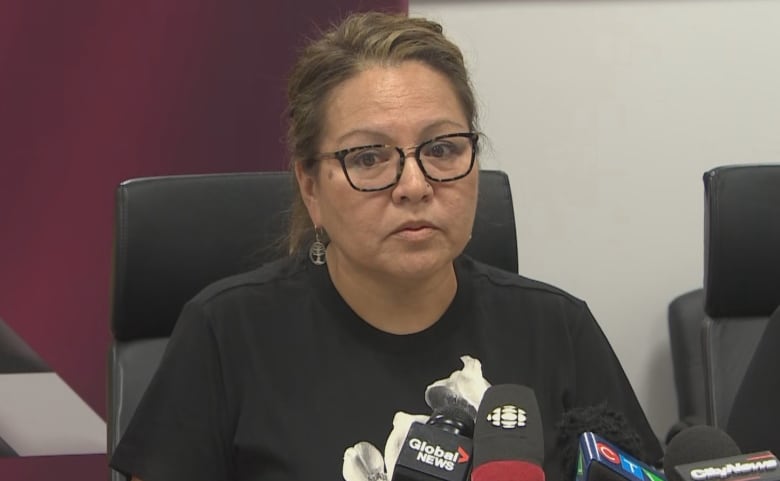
{"points": [[364, 462]]}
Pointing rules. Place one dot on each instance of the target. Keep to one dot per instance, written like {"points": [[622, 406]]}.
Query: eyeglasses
{"points": [[445, 158]]}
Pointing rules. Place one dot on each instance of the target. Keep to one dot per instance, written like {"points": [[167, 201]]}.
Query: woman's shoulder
{"points": [[285, 273], [490, 279]]}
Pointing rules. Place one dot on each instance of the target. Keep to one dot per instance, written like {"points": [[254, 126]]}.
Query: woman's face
{"points": [[416, 228]]}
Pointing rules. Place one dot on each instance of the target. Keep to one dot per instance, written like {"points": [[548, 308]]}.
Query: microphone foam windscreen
{"points": [[508, 436], [607, 423], [697, 443]]}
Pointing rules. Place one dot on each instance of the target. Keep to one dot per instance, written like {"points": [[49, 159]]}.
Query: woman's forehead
{"points": [[410, 97]]}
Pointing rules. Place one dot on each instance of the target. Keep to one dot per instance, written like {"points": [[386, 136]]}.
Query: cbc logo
{"points": [[507, 417]]}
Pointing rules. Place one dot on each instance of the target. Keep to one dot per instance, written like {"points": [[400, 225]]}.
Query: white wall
{"points": [[605, 114]]}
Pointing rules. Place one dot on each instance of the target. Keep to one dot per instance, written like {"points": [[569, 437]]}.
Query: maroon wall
{"points": [[93, 92]]}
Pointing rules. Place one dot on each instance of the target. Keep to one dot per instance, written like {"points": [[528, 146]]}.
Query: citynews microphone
{"points": [[599, 460], [508, 436], [704, 453], [440, 449]]}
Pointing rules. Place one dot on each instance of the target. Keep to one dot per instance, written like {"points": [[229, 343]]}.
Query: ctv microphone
{"points": [[440, 449], [508, 436], [703, 453], [601, 421], [599, 460]]}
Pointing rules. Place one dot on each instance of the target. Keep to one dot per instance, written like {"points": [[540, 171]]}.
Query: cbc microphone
{"points": [[440, 449], [599, 460], [705, 453], [508, 436]]}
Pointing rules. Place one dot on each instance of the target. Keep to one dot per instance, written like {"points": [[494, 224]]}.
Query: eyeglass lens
{"points": [[443, 158]]}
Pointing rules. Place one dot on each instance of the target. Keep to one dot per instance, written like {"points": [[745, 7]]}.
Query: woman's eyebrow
{"points": [[429, 130]]}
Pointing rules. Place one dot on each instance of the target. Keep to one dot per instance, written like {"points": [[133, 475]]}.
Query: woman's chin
{"points": [[405, 264], [418, 265]]}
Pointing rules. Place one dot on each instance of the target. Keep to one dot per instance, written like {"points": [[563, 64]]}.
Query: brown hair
{"points": [[360, 41]]}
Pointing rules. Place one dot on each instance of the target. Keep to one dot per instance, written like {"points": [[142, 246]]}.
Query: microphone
{"points": [[439, 449], [606, 423], [508, 436], [600, 460], [702, 453]]}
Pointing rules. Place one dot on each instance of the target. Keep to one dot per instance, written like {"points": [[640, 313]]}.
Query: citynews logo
{"points": [[437, 456], [730, 469]]}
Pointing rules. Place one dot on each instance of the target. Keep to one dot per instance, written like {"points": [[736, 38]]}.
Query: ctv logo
{"points": [[437, 456], [625, 463]]}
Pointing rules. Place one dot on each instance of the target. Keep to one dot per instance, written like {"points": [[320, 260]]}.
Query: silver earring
{"points": [[317, 249]]}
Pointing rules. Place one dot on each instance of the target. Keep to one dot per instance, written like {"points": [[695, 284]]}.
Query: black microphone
{"points": [[697, 443], [508, 436], [439, 449], [600, 420], [704, 453]]}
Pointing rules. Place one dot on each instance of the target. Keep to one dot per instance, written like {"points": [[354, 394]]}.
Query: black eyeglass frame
{"points": [[341, 156]]}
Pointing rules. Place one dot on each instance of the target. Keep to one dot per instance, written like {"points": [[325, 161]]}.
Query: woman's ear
{"points": [[307, 184]]}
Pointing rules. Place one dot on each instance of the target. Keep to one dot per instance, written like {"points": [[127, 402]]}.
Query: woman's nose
{"points": [[412, 185]]}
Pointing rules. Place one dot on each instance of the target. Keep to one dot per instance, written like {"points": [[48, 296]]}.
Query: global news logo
{"points": [[437, 456]]}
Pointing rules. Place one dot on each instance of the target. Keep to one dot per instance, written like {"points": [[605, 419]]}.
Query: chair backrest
{"points": [[741, 273], [177, 234], [685, 318]]}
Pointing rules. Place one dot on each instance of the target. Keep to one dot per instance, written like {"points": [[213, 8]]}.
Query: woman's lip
{"points": [[414, 227], [415, 231]]}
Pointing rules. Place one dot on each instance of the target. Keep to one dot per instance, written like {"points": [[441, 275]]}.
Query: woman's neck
{"points": [[396, 306]]}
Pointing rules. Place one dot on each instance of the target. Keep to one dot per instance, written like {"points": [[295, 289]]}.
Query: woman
{"points": [[752, 421], [292, 371]]}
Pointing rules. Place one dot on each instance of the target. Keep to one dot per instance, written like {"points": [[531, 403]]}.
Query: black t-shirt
{"points": [[270, 375], [753, 421]]}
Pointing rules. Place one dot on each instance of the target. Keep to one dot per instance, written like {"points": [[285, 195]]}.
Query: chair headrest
{"points": [[742, 240], [174, 235]]}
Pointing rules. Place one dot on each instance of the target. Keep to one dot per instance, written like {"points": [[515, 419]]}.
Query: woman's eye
{"points": [[441, 149], [366, 159]]}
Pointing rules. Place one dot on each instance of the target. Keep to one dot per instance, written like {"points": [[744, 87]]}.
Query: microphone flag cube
{"points": [[760, 466], [431, 453], [597, 455]]}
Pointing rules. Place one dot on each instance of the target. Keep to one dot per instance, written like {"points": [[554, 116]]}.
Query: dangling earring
{"points": [[317, 249]]}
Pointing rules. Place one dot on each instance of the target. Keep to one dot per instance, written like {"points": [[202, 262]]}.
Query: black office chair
{"points": [[714, 331], [741, 275], [685, 321], [177, 234]]}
